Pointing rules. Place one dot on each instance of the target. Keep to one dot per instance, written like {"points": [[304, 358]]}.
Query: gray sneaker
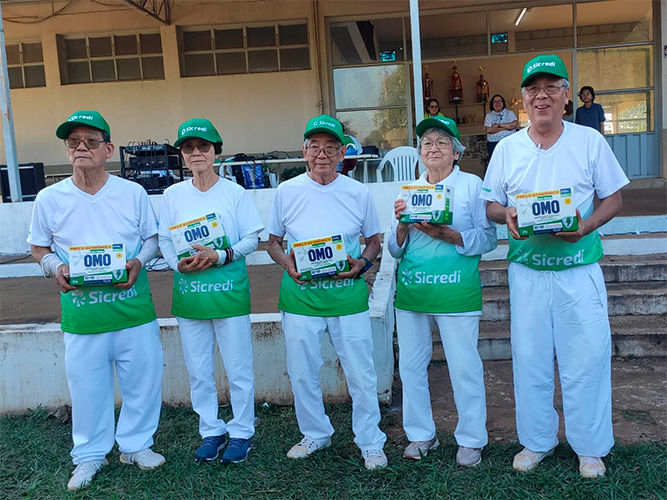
{"points": [[307, 446], [418, 449], [145, 459], [468, 457], [84, 473]]}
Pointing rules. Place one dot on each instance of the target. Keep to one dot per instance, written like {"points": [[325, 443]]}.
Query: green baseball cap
{"points": [[326, 124], [442, 122], [200, 128], [83, 118], [549, 64]]}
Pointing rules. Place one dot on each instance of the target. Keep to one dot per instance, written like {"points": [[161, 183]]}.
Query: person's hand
{"points": [[583, 229], [512, 224], [290, 266], [356, 265], [133, 267], [196, 262], [62, 279], [440, 232], [399, 208]]}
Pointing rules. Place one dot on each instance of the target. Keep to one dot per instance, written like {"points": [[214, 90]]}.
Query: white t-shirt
{"points": [[229, 201], [304, 210], [65, 216], [581, 160]]}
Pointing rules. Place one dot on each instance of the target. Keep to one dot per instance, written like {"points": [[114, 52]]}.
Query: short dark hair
{"points": [[432, 99], [217, 147], [106, 137], [590, 89], [491, 102]]}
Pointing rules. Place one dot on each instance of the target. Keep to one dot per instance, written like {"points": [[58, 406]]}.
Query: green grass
{"points": [[35, 464]]}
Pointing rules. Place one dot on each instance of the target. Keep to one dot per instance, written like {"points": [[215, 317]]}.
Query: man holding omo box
{"points": [[542, 182], [103, 231], [319, 211]]}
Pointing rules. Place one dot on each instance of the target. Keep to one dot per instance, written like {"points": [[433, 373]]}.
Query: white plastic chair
{"points": [[402, 160]]}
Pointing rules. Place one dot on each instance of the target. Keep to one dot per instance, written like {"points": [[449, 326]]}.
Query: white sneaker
{"points": [[374, 459], [307, 446], [84, 473], [144, 459], [416, 450], [591, 467], [527, 459]]}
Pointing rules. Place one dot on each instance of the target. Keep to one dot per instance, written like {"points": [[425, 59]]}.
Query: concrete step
{"points": [[630, 335], [616, 269], [628, 298]]}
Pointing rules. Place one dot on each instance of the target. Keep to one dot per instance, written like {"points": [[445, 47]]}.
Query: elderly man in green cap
{"points": [[94, 233], [323, 205], [557, 293]]}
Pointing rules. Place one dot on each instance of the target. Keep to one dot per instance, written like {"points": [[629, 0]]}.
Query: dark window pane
{"points": [[229, 39], [100, 47], [15, 77], [13, 54], [32, 52], [196, 40], [230, 63], [75, 49], [103, 71], [261, 37], [293, 59], [78, 72], [261, 61], [293, 34], [128, 69], [34, 76], [125, 45], [153, 68], [151, 43], [199, 65]]}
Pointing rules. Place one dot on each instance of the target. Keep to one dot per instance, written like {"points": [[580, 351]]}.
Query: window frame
{"points": [[21, 64]]}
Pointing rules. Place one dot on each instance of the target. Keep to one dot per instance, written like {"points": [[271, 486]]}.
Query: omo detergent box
{"points": [[546, 212], [321, 257], [428, 203], [205, 231], [97, 265]]}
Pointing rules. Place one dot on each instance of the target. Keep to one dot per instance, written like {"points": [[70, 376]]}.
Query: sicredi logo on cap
{"points": [[189, 129], [80, 117], [321, 122], [540, 64]]}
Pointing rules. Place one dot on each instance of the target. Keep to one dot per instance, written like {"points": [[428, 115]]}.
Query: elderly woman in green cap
{"points": [[438, 281], [207, 225]]}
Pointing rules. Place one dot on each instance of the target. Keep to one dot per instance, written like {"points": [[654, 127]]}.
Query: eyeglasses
{"points": [[329, 151], [434, 106], [549, 89], [73, 143], [202, 147], [440, 143]]}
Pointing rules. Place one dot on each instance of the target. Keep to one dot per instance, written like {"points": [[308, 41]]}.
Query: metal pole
{"points": [[8, 121], [416, 59]]}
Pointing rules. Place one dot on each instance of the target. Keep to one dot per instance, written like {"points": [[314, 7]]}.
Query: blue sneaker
{"points": [[237, 451], [210, 448]]}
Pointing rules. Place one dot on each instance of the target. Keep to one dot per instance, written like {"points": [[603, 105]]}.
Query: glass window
{"points": [[229, 39], [230, 63], [125, 45], [32, 52], [76, 48], [15, 77], [614, 22], [13, 54], [78, 72], [100, 47], [372, 86], [293, 34], [34, 76], [261, 61], [25, 65], [627, 112], [196, 40], [129, 69], [532, 28], [151, 43], [616, 68], [153, 68], [264, 36], [453, 34], [199, 65], [359, 42], [294, 59], [384, 128], [103, 70]]}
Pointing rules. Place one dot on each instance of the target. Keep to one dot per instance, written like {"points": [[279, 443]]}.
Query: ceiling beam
{"points": [[157, 9]]}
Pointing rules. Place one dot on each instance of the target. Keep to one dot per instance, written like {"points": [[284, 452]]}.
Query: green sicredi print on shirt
{"points": [[106, 308]]}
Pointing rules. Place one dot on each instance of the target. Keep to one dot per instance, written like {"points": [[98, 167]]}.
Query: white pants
{"points": [[351, 337], [565, 311], [198, 340], [89, 361], [459, 339]]}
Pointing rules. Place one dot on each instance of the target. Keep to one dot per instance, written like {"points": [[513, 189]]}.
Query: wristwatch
{"points": [[368, 265]]}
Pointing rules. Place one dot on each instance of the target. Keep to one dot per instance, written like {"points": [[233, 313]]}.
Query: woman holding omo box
{"points": [[438, 281], [207, 225]]}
